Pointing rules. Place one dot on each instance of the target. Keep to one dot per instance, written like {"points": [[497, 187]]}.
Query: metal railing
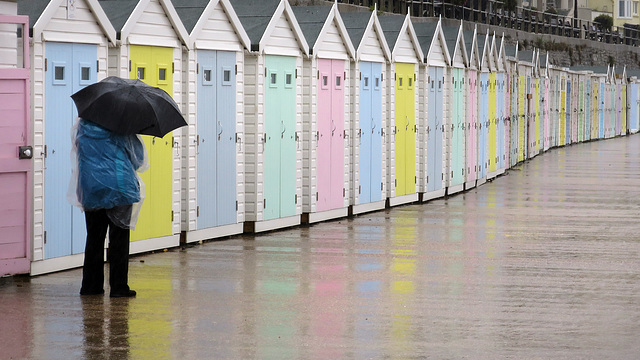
{"points": [[490, 12]]}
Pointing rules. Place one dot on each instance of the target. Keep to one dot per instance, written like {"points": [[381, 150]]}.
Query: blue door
{"points": [[632, 123], [435, 127], [216, 179], [69, 67], [370, 133]]}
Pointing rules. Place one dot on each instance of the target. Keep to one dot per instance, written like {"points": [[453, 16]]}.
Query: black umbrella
{"points": [[129, 106]]}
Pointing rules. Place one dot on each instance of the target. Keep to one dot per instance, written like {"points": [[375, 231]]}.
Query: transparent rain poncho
{"points": [[105, 172]]}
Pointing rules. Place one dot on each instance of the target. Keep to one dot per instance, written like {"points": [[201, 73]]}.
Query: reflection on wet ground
{"points": [[541, 263]]}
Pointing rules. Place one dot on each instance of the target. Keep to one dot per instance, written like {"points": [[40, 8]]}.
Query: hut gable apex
{"points": [[229, 13], [459, 55], [471, 39], [334, 24], [367, 36], [402, 38], [374, 27], [438, 50], [285, 13], [41, 16], [133, 20], [484, 53], [493, 54], [502, 56]]}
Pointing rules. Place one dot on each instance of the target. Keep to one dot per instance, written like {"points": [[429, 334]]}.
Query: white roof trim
{"points": [[233, 20], [407, 26], [285, 9], [169, 10], [334, 15], [96, 9]]}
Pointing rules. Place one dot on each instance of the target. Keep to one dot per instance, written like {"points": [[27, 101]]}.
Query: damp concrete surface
{"points": [[540, 263]]}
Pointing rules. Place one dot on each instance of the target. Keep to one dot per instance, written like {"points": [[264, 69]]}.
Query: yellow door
{"points": [[493, 124], [405, 152], [153, 66]]}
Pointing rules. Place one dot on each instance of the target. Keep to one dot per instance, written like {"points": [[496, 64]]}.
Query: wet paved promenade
{"points": [[542, 263]]}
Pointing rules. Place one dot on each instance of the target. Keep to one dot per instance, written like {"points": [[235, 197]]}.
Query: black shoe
{"points": [[92, 292], [120, 294]]}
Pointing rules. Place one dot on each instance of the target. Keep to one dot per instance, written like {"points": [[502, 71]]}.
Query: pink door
{"points": [[15, 152], [330, 122], [471, 125]]}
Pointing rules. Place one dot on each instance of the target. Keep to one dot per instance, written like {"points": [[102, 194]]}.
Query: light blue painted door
{"points": [[370, 132], [376, 132], [435, 128], [438, 172], [365, 134], [216, 180], [69, 68]]}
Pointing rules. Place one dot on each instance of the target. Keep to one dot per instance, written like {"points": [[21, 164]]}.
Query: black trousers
{"points": [[118, 255]]}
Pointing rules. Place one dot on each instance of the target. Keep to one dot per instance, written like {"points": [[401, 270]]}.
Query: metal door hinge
{"points": [[236, 69], [381, 186], [173, 67], [97, 65], [45, 237], [344, 192], [197, 211], [296, 199], [171, 215], [236, 205], [129, 65], [45, 64], [264, 206], [359, 189], [396, 182]]}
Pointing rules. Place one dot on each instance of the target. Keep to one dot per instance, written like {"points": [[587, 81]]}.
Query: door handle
{"points": [[221, 130]]}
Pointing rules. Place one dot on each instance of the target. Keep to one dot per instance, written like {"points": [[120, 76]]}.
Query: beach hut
{"points": [[536, 110], [633, 103], [406, 57], [68, 50], [213, 175], [16, 167], [149, 47], [501, 105], [455, 134], [327, 105], [546, 101], [273, 114], [435, 80], [492, 109], [368, 104], [483, 107], [471, 106], [610, 103], [621, 104], [514, 106]]}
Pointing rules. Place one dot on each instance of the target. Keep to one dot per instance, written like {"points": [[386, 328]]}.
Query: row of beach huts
{"points": [[297, 114]]}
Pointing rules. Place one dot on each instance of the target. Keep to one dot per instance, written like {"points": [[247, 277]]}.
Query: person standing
{"points": [[106, 186]]}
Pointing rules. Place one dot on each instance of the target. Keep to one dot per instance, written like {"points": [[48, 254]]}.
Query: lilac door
{"points": [[330, 122], [471, 127], [15, 160]]}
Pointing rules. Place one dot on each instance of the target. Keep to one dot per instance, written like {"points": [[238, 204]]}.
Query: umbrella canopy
{"points": [[129, 106]]}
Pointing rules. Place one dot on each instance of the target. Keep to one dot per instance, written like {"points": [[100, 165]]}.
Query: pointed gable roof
{"points": [[471, 44], [195, 13], [40, 12], [395, 26], [431, 37], [259, 20], [454, 36], [359, 24], [493, 53], [315, 21], [124, 15]]}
